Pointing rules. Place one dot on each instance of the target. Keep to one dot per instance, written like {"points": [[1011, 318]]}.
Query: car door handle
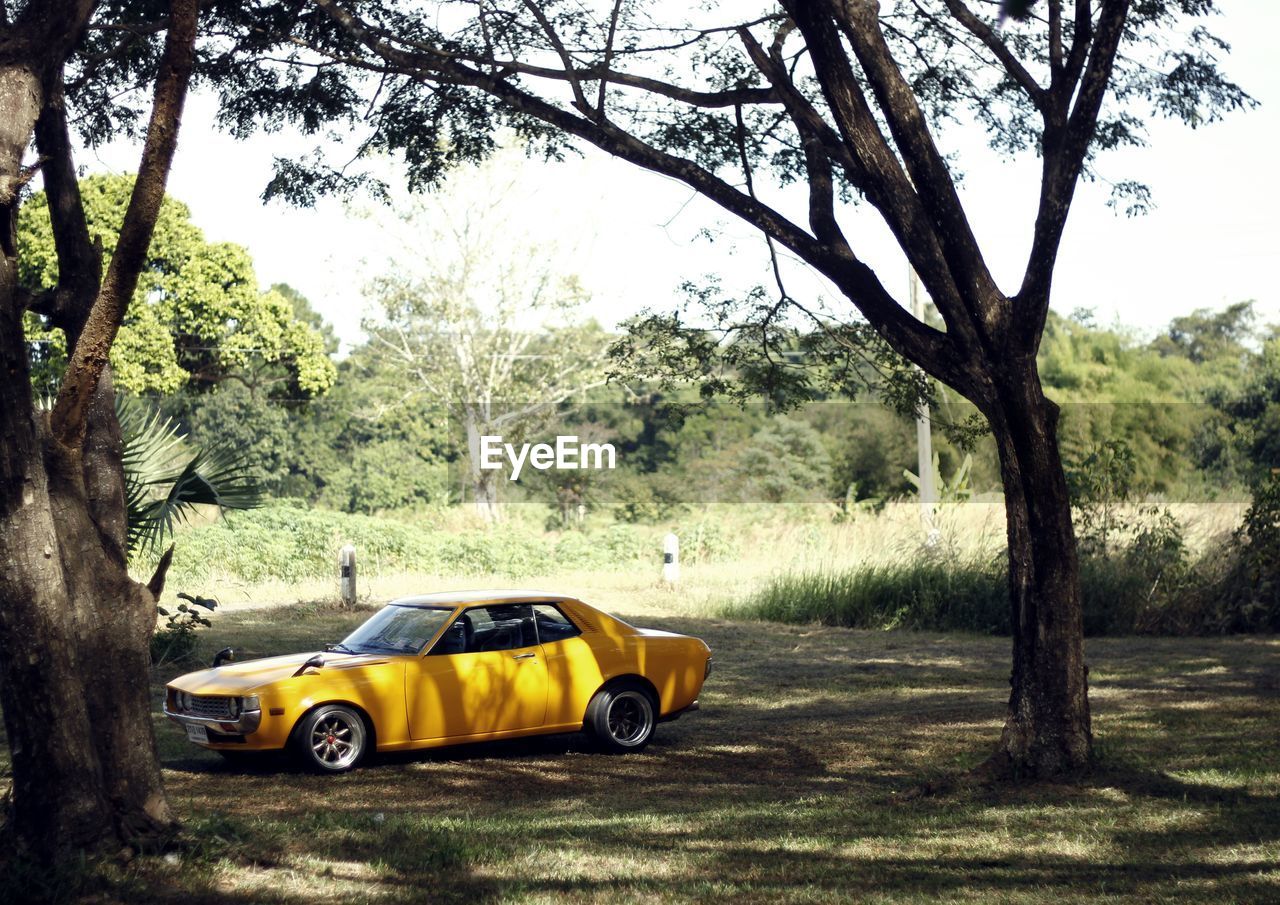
{"points": [[522, 656]]}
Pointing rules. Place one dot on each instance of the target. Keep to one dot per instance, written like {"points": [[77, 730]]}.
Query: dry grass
{"points": [[771, 540], [796, 782]]}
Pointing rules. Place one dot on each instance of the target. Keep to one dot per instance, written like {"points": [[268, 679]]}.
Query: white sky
{"points": [[633, 236]]}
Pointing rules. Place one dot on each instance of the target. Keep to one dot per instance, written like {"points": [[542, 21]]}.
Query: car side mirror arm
{"points": [[226, 655], [316, 662]]}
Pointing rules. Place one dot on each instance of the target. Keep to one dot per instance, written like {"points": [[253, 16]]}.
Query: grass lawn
{"points": [[821, 768]]}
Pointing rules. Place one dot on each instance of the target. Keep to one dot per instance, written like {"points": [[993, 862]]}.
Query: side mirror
{"points": [[315, 662], [226, 655]]}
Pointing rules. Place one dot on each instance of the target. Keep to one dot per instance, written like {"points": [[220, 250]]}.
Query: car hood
{"points": [[251, 675]]}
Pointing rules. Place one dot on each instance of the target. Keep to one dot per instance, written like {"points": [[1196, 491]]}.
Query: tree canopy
{"points": [[197, 316]]}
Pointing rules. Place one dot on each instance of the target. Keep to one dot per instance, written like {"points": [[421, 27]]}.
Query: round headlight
{"points": [[233, 708], [184, 700]]}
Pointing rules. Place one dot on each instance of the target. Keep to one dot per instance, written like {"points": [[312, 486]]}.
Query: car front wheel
{"points": [[332, 739], [621, 717]]}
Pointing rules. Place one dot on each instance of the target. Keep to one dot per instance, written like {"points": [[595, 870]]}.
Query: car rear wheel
{"points": [[331, 739], [621, 717]]}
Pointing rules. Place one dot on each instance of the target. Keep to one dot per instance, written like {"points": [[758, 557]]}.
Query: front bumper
{"points": [[247, 723]]}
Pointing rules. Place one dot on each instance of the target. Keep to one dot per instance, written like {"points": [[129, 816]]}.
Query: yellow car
{"points": [[445, 669]]}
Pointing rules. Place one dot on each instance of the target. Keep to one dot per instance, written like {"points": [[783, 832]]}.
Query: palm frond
{"points": [[166, 476]]}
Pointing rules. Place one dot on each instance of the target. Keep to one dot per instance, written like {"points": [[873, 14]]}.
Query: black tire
{"points": [[621, 717], [331, 739]]}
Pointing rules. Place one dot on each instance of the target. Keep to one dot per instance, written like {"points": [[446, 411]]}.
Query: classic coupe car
{"points": [[445, 669]]}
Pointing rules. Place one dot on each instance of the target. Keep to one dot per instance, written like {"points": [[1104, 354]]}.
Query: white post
{"points": [[671, 559], [347, 571], [924, 438]]}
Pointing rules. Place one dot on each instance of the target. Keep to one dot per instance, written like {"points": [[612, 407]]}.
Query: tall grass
{"points": [[1123, 593], [932, 594]]}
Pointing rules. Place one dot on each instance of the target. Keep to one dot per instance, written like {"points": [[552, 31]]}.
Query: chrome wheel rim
{"points": [[630, 718], [336, 740]]}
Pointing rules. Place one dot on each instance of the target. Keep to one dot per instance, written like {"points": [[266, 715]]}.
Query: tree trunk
{"points": [[484, 484], [1047, 731], [74, 628], [74, 637]]}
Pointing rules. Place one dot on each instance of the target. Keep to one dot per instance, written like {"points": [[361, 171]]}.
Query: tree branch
{"points": [[929, 172], [885, 182], [730, 97], [93, 348], [1082, 36], [1000, 50], [608, 57], [579, 98], [1065, 149], [79, 259], [907, 335], [1055, 40]]}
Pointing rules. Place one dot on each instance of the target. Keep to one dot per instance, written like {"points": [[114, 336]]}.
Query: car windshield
{"points": [[396, 629]]}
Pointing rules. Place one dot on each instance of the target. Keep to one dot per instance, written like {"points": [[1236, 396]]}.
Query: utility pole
{"points": [[924, 436]]}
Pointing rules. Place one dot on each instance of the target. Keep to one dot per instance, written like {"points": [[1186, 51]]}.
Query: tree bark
{"points": [[484, 485], [74, 627], [45, 717], [1047, 731]]}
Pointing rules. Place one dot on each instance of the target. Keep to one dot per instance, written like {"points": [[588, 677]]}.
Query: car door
{"points": [[485, 674]]}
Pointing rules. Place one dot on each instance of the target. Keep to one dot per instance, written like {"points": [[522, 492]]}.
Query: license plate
{"points": [[198, 734]]}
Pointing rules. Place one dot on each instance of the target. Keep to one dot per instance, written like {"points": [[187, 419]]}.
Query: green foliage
{"points": [[1140, 586], [365, 446], [197, 314], [176, 641], [289, 541], [166, 477], [1246, 437], [785, 460], [955, 489], [647, 499], [1241, 590], [1100, 483], [1146, 583]]}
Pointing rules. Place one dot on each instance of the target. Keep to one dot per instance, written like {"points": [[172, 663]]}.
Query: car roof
{"points": [[468, 598]]}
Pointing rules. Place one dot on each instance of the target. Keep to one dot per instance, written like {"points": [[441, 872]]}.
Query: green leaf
{"points": [[166, 477]]}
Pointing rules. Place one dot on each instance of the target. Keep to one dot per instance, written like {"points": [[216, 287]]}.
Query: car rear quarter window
{"points": [[553, 625]]}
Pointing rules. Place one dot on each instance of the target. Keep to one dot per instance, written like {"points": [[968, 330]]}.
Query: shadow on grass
{"points": [[789, 785]]}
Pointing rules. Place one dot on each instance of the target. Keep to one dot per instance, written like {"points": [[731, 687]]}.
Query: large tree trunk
{"points": [[44, 708], [74, 628], [1047, 731]]}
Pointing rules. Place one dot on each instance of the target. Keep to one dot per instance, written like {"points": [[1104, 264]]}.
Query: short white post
{"points": [[347, 571], [671, 559]]}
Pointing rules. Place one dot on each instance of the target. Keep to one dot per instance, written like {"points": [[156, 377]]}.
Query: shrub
{"points": [[175, 641]]}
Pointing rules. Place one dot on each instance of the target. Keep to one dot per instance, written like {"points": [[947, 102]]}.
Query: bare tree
{"points": [[481, 323]]}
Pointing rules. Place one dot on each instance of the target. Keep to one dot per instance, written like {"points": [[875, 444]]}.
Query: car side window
{"points": [[553, 625], [506, 626]]}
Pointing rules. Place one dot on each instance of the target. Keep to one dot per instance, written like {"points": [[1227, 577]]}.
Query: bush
{"points": [[175, 641], [1241, 591]]}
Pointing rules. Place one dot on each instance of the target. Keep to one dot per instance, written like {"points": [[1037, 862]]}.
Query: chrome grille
{"points": [[213, 708]]}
